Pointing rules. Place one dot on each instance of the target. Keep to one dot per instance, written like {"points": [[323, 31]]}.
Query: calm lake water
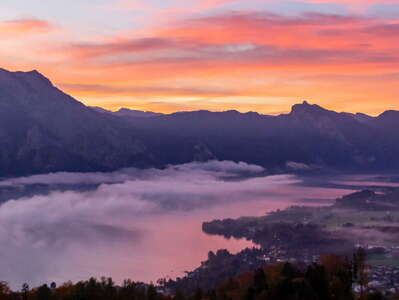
{"points": [[119, 230]]}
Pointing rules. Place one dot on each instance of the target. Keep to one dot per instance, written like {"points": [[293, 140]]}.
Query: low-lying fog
{"points": [[138, 224]]}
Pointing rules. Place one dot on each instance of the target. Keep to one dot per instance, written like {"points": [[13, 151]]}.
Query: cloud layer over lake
{"points": [[47, 237]]}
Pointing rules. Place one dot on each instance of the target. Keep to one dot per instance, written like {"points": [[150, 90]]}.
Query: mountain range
{"points": [[42, 129]]}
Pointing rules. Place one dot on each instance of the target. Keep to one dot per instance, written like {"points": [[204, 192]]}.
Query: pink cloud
{"points": [[23, 26]]}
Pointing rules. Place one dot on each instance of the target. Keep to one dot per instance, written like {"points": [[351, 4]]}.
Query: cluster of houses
{"points": [[384, 278]]}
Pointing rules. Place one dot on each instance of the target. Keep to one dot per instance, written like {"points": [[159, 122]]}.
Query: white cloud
{"points": [[226, 167], [297, 166]]}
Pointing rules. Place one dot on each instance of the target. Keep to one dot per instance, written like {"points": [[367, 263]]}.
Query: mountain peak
{"points": [[35, 73], [307, 108], [127, 112], [34, 78], [389, 115]]}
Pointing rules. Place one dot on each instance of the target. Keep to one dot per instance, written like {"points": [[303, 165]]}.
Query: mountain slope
{"points": [[42, 130]]}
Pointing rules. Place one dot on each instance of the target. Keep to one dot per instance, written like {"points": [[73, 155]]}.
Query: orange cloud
{"points": [[242, 60], [251, 40], [24, 26]]}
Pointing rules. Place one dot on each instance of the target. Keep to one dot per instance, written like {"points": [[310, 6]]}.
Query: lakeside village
{"points": [[301, 235]]}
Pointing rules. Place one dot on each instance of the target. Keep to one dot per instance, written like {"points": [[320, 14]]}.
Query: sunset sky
{"points": [[172, 55]]}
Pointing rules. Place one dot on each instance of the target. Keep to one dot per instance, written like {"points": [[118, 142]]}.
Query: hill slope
{"points": [[42, 130]]}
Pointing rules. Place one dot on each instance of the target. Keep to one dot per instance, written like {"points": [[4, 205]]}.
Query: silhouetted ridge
{"points": [[43, 129], [126, 112], [390, 114]]}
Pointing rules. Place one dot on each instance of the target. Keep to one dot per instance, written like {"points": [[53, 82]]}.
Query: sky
{"points": [[174, 55]]}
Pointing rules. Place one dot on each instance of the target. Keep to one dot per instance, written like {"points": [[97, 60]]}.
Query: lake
{"points": [[142, 225]]}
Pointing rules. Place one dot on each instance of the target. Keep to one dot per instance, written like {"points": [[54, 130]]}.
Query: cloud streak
{"points": [[246, 38], [25, 26]]}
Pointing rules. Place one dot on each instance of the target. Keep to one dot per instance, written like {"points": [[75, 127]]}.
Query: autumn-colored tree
{"points": [[339, 271]]}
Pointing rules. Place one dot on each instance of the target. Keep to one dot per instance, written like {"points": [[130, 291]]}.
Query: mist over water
{"points": [[138, 224]]}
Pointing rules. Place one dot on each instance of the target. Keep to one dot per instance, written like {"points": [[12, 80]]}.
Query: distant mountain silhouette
{"points": [[128, 113], [44, 130]]}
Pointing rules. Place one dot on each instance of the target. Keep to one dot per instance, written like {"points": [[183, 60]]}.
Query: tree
{"points": [[359, 265], [43, 293], [4, 290], [260, 283], [25, 291], [375, 296], [288, 271], [198, 295], [339, 272], [316, 275], [301, 290], [151, 292], [179, 296], [250, 294]]}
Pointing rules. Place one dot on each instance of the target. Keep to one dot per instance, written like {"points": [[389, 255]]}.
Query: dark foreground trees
{"points": [[329, 279], [92, 289]]}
